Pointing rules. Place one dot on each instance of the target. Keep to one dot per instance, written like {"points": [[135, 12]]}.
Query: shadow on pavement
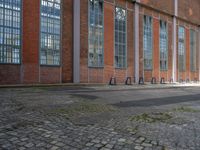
{"points": [[159, 101]]}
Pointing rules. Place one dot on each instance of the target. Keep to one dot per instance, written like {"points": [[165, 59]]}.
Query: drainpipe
{"points": [[76, 41]]}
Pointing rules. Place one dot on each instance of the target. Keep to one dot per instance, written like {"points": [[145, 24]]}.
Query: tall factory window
{"points": [[163, 46], [181, 48], [96, 34], [147, 42], [10, 31], [50, 32], [120, 37]]}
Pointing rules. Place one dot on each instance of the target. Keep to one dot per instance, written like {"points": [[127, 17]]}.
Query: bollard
{"points": [[128, 81], [171, 80], [153, 80], [141, 80], [112, 81], [162, 80]]}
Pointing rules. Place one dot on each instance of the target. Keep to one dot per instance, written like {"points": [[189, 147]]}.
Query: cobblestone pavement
{"points": [[92, 118]]}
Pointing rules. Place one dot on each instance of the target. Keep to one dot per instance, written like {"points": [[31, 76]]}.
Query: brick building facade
{"points": [[100, 39]]}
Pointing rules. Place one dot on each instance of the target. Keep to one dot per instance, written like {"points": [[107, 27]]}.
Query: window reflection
{"points": [[50, 32], [10, 35]]}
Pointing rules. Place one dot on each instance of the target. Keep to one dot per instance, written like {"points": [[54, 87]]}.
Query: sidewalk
{"points": [[94, 86]]}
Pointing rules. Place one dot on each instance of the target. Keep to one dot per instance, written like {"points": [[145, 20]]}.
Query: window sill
{"points": [[41, 65], [17, 64], [96, 67], [121, 68]]}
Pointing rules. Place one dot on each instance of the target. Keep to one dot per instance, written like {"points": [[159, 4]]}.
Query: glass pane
{"points": [[95, 56], [120, 37], [147, 42], [10, 27], [181, 48], [50, 32]]}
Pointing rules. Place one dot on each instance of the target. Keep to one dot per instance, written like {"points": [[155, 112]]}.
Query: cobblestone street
{"points": [[103, 117]]}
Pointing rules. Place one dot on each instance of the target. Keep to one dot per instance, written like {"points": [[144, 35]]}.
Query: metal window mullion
{"points": [[47, 48], [117, 42], [53, 30], [12, 35], [94, 35], [122, 44], [97, 35], [47, 34], [151, 31], [94, 30], [89, 36], [3, 57], [126, 45], [194, 51]]}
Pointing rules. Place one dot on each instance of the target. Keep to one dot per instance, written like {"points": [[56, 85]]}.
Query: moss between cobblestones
{"points": [[83, 108], [31, 90], [186, 109], [133, 130], [152, 118]]}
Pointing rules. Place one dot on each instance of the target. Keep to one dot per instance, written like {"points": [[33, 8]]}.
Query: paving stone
{"points": [[60, 144], [104, 148], [89, 144], [121, 140], [139, 147], [109, 146], [29, 145], [140, 140], [104, 142], [21, 148], [98, 145], [54, 148], [13, 139], [40, 144], [24, 139], [43, 130], [154, 142], [146, 144], [95, 141]]}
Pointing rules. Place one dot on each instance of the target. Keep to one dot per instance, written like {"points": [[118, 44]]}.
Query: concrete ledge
{"points": [[106, 87]]}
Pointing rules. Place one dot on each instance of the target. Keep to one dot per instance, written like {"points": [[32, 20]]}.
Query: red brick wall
{"points": [[156, 72], [67, 41], [141, 61], [168, 74], [103, 75], [10, 74], [130, 43], [109, 41], [31, 72], [187, 74], [30, 40], [84, 42], [189, 10], [187, 46], [164, 5], [50, 74], [156, 49]]}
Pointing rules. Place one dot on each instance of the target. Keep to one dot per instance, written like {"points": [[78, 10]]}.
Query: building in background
{"points": [[90, 41]]}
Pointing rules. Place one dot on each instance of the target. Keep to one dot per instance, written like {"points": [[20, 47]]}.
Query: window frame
{"points": [[123, 66], [145, 68], [20, 35], [88, 57], [49, 33], [193, 58], [167, 46], [183, 68]]}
